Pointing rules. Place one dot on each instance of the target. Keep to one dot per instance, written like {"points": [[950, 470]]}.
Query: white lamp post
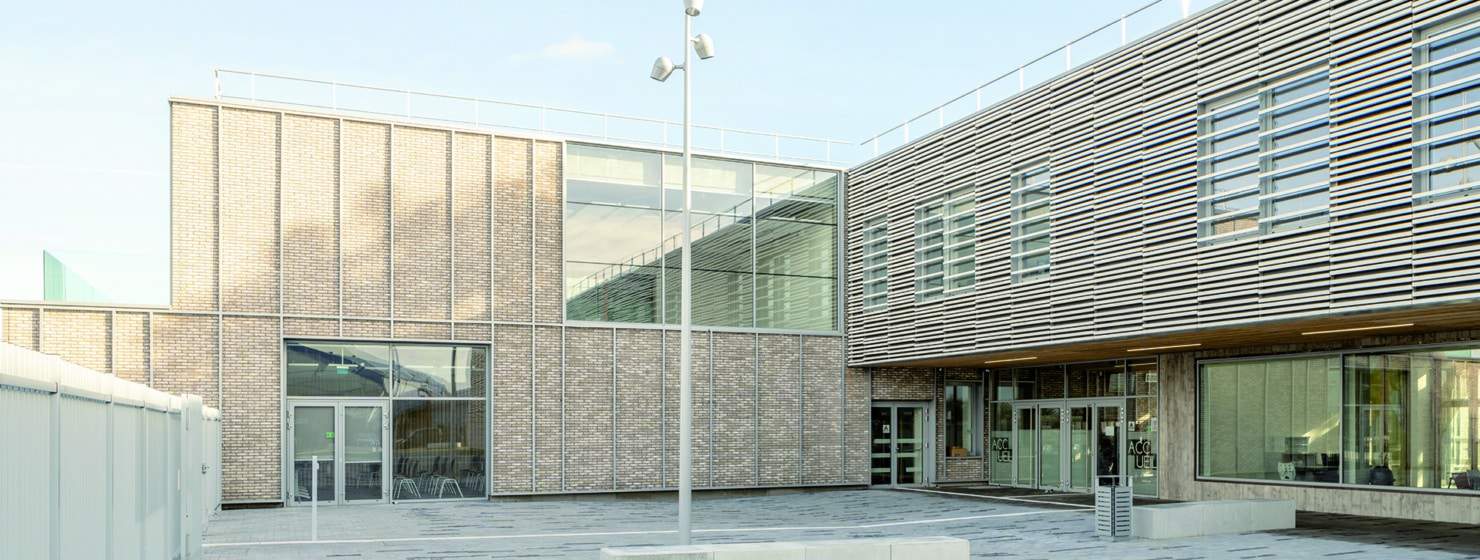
{"points": [[662, 68]]}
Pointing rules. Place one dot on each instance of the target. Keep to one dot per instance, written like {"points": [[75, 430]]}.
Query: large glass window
{"points": [[613, 233], [963, 419], [1032, 224], [1264, 160], [945, 245], [1446, 99], [439, 448], [1399, 418], [764, 240], [334, 369], [875, 263]]}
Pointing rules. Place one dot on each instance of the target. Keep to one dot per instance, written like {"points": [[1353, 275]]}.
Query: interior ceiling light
{"points": [[1358, 329], [1011, 360], [1193, 345]]}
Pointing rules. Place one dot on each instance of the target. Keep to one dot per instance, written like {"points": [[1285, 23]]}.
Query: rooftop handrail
{"points": [[823, 148], [939, 111]]}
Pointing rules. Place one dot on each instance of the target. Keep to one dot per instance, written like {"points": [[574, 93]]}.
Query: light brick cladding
{"points": [[302, 226]]}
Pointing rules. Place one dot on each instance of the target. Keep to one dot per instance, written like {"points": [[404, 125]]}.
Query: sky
{"points": [[84, 137]]}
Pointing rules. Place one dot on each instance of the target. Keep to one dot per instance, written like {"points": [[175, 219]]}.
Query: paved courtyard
{"points": [[998, 527]]}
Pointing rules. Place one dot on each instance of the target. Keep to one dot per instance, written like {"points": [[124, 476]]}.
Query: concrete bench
{"points": [[933, 548], [1192, 519]]}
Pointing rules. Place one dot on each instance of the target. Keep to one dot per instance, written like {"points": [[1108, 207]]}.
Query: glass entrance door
{"points": [[349, 440], [1109, 443], [1066, 445], [900, 445]]}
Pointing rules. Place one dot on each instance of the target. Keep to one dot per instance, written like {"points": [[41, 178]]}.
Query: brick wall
{"points": [[389, 231]]}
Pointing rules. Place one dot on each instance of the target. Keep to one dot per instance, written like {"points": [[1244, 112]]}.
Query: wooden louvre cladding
{"points": [[1120, 135]]}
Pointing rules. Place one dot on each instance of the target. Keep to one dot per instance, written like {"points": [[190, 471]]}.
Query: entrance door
{"points": [[1025, 445], [1110, 443], [349, 439], [900, 452]]}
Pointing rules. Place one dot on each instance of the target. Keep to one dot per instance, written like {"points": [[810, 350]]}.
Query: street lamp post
{"points": [[662, 68]]}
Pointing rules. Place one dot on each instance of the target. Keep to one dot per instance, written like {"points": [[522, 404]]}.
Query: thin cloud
{"points": [[575, 48]]}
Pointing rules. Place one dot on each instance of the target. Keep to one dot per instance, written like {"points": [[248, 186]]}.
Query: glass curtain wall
{"points": [[1399, 418], [1134, 382], [764, 240], [438, 398]]}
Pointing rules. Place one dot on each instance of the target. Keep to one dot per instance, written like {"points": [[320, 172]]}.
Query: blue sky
{"points": [[83, 113]]}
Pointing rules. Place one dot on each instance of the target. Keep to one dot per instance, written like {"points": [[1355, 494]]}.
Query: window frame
{"points": [[875, 259], [1264, 106], [1341, 356], [1423, 118], [937, 217], [974, 421], [1021, 185]]}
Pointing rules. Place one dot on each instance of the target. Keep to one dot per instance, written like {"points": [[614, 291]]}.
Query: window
{"points": [[945, 245], [1264, 160], [1032, 224], [963, 419], [764, 240], [1404, 418], [1446, 107], [875, 262]]}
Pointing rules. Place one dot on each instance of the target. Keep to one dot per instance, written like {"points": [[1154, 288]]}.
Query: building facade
{"points": [[441, 313], [1238, 258]]}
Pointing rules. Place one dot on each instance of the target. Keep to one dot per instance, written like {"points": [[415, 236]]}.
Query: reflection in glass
{"points": [[328, 369], [426, 371], [961, 405], [909, 441], [1080, 447], [764, 240], [1050, 445], [1141, 441], [313, 436], [1271, 419], [364, 452], [1001, 444], [438, 449], [880, 447], [1026, 447], [1107, 445]]}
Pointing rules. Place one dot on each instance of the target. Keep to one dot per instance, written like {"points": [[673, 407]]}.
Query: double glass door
{"points": [[900, 450], [1068, 445], [348, 438]]}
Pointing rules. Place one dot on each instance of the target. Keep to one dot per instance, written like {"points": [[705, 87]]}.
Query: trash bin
{"points": [[1113, 506]]}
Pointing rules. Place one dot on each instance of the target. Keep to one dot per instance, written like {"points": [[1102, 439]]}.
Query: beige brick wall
{"points": [[511, 231], [249, 211], [192, 207], [735, 420], [310, 187], [251, 380], [571, 409], [549, 212], [512, 434], [639, 408], [186, 357], [549, 420], [472, 177], [588, 401], [131, 346], [73, 335], [781, 409], [421, 203], [366, 218]]}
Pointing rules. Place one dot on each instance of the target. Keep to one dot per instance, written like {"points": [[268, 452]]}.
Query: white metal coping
{"points": [[342, 97], [33, 370]]}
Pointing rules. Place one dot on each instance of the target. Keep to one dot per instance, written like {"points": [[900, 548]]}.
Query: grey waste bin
{"points": [[1113, 506]]}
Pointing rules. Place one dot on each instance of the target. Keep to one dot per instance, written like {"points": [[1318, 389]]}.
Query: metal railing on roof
{"points": [[1147, 19], [480, 112]]}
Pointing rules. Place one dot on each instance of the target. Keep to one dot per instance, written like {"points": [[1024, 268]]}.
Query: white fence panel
{"points": [[97, 467]]}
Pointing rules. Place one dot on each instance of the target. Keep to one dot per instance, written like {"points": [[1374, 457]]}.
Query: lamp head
{"points": [[693, 7], [662, 68], [704, 46]]}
